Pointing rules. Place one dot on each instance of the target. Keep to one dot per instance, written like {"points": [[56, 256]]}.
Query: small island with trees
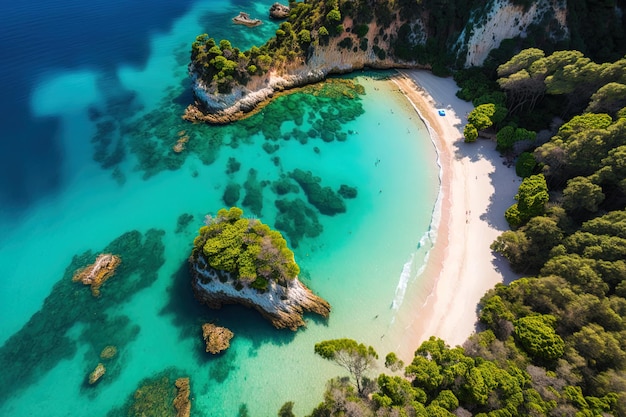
{"points": [[241, 260]]}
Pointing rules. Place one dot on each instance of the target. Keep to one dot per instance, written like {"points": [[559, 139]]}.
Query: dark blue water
{"points": [[49, 36]]}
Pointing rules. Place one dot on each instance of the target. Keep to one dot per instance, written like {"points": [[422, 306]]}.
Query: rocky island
{"points": [[236, 260], [98, 272], [331, 37]]}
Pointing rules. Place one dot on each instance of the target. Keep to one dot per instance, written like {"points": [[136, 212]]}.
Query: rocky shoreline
{"points": [[245, 101], [321, 61], [283, 306]]}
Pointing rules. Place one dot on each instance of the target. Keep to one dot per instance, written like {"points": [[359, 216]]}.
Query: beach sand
{"points": [[476, 189]]}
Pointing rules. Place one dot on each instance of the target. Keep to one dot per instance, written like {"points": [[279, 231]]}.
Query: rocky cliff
{"points": [[400, 41], [282, 305], [501, 19]]}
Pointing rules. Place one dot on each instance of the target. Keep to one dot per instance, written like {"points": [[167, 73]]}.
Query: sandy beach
{"points": [[476, 189]]}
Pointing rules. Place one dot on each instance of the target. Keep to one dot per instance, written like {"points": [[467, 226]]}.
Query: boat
{"points": [[244, 19]]}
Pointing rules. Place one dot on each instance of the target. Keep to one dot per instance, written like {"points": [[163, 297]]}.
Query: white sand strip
{"points": [[476, 190]]}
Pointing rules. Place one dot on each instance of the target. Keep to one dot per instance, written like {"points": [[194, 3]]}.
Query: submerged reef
{"points": [[297, 220], [322, 198], [216, 338], [243, 261], [45, 339], [182, 403], [166, 394], [231, 194], [183, 222], [254, 193]]}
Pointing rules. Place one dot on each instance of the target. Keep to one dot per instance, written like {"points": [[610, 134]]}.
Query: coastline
{"points": [[475, 190]]}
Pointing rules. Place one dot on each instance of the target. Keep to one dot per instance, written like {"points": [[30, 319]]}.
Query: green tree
{"points": [[396, 391], [393, 363], [505, 138], [525, 165], [333, 17], [538, 337], [609, 99], [470, 133], [355, 357], [582, 195], [304, 36], [481, 116], [531, 197]]}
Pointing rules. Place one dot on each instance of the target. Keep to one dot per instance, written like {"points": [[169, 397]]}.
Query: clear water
{"points": [[84, 80]]}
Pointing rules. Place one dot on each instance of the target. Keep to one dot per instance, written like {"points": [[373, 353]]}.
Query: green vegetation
{"points": [[428, 33], [355, 357], [552, 343], [246, 248]]}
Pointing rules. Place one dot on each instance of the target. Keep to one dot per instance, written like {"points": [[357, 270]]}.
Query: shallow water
{"points": [[90, 137]]}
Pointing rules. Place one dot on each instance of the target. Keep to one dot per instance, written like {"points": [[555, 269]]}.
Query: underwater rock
{"points": [[183, 138], [182, 404], [153, 397], [322, 198], [347, 192], [279, 11], [97, 374], [231, 194], [183, 221], [108, 352], [284, 185], [217, 338], [232, 166], [254, 193], [97, 273], [297, 220]]}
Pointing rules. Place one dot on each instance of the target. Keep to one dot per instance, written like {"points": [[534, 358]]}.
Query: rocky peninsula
{"points": [[319, 39], [241, 261]]}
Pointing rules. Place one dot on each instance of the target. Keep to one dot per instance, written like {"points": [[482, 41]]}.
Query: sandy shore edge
{"points": [[476, 189]]}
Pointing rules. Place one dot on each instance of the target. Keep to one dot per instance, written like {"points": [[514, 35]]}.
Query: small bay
{"points": [[89, 165]]}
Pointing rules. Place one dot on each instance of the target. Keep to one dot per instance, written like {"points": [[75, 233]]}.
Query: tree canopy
{"points": [[246, 248], [355, 357]]}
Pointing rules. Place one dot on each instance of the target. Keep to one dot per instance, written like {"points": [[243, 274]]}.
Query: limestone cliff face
{"points": [[283, 306], [502, 20]]}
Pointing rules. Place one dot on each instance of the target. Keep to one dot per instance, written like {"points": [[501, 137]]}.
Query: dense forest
{"points": [[554, 342]]}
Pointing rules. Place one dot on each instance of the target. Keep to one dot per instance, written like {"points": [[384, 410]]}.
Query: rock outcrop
{"points": [[96, 374], [279, 11], [97, 273], [244, 18], [108, 352], [503, 20], [283, 306], [217, 339], [182, 404]]}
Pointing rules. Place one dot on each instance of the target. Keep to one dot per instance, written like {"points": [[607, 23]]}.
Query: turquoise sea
{"points": [[92, 94]]}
